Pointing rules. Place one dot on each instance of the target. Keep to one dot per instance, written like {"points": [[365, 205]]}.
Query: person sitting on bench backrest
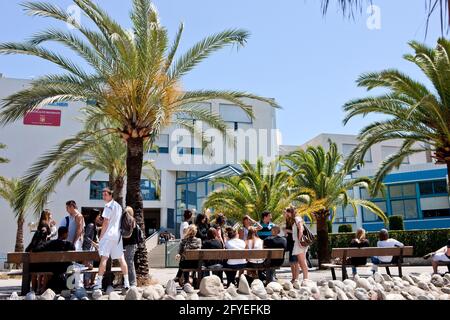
{"points": [[385, 242], [441, 255]]}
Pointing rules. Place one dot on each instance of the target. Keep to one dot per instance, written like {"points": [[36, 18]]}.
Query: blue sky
{"points": [[307, 62]]}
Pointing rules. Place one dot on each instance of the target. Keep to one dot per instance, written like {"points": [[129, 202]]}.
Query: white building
{"points": [[185, 172], [417, 190]]}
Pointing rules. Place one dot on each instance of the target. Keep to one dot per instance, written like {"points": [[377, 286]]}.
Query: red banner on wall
{"points": [[43, 117]]}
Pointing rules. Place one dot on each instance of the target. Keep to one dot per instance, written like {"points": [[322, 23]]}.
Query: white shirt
{"points": [[184, 225], [389, 243], [238, 244], [113, 212], [255, 244]]}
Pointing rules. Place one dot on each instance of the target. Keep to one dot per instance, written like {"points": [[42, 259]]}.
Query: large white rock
{"points": [[232, 291], [211, 286], [378, 277], [171, 288], [133, 294], [446, 290], [364, 283], [97, 294], [423, 285], [275, 286], [160, 290], [416, 291], [386, 277], [361, 295], [49, 294], [188, 288], [437, 280], [287, 285], [341, 294], [350, 283], [293, 294], [179, 297], [244, 287], [151, 294], [407, 295], [409, 279], [114, 296], [193, 296]]}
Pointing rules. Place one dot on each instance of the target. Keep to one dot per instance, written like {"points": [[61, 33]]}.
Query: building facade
{"points": [[184, 164]]}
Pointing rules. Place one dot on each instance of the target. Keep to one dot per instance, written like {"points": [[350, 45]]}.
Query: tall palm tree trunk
{"points": [[19, 234], [322, 236], [135, 157], [117, 186]]}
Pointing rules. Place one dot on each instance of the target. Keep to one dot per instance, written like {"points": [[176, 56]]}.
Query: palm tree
{"points": [[417, 115], [9, 189], [134, 78], [257, 189], [348, 7], [106, 154], [2, 160], [321, 171]]}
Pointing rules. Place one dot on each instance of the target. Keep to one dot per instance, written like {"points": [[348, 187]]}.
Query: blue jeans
{"points": [[375, 262]]}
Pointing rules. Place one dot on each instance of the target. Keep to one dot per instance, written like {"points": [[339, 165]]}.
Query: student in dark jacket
{"points": [[130, 245], [359, 241], [201, 221], [213, 242], [39, 237], [275, 241], [58, 269]]}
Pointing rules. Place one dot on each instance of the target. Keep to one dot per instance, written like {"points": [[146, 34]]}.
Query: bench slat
{"points": [[45, 257], [371, 251], [221, 254]]}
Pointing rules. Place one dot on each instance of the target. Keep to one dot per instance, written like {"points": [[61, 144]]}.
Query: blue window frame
{"points": [[96, 188], [433, 188], [148, 190]]}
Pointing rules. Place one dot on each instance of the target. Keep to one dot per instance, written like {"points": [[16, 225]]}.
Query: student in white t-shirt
{"points": [[234, 243], [384, 242], [253, 242]]}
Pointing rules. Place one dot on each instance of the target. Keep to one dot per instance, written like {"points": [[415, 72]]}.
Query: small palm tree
{"points": [[9, 189], [134, 78], [257, 189], [321, 172], [417, 115], [3, 160]]}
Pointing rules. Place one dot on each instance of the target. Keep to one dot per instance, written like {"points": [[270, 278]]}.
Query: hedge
{"points": [[396, 223], [343, 228], [423, 241]]}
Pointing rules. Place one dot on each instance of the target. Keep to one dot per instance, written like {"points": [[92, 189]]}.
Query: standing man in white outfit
{"points": [[110, 241]]}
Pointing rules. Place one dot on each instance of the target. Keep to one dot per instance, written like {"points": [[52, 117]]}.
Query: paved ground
{"points": [[163, 275]]}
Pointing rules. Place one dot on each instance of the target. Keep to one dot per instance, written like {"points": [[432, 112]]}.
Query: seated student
{"points": [[275, 241], [234, 242], [384, 242], [189, 242], [441, 255], [38, 281], [253, 242], [213, 242], [359, 241], [57, 280]]}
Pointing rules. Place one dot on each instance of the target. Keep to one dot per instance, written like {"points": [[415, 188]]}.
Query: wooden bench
{"points": [[26, 258], [344, 253], [203, 255]]}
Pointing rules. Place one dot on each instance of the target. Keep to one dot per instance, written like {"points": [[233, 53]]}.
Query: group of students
{"points": [[253, 235], [384, 241], [96, 231]]}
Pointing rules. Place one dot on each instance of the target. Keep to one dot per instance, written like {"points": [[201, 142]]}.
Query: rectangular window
{"points": [[148, 190], [200, 106], [233, 113], [436, 213], [405, 208], [402, 190], [347, 149], [387, 151], [161, 144], [96, 188], [433, 187], [369, 216]]}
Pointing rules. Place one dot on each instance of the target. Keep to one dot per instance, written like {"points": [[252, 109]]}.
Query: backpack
{"points": [[127, 224]]}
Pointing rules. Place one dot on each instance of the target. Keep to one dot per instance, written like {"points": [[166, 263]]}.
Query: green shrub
{"points": [[423, 241], [396, 223], [330, 226], [343, 228]]}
